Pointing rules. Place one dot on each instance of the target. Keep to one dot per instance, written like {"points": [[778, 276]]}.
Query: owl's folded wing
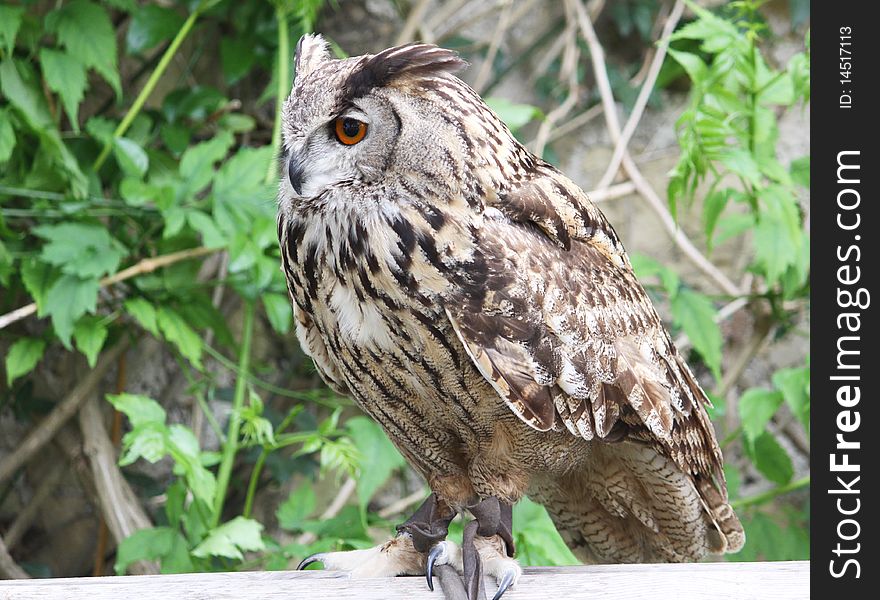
{"points": [[567, 336]]}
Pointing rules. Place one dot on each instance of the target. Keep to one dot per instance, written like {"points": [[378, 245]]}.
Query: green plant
{"points": [[728, 137]]}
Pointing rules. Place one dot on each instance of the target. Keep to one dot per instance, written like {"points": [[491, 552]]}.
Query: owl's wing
{"points": [[567, 336]]}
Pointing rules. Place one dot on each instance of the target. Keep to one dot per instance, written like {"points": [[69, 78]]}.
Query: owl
{"points": [[474, 302]]}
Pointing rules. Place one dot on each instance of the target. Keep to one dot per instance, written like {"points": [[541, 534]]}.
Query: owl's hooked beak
{"points": [[296, 166]]}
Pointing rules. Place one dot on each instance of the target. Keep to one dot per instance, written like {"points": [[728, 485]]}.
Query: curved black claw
{"points": [[435, 553], [309, 560], [505, 583]]}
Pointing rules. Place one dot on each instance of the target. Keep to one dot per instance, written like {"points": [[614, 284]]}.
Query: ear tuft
{"points": [[311, 50], [410, 62]]}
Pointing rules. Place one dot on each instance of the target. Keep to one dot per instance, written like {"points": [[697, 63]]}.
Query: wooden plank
{"points": [[719, 581]]}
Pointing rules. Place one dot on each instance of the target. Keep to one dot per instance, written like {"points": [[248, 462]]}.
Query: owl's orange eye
{"points": [[350, 131]]}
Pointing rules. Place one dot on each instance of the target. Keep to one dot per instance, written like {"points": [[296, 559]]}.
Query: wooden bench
{"points": [[715, 581]]}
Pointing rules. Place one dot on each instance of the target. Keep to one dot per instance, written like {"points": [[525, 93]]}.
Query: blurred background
{"points": [[156, 411]]}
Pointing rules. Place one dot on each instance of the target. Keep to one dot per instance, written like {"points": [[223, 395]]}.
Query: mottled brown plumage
{"points": [[474, 302]]}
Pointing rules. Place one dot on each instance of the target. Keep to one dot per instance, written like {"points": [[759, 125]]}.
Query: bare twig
{"points": [[42, 433], [147, 265], [339, 501], [119, 505], [415, 18], [597, 54], [486, 69], [610, 193], [644, 94], [9, 569], [568, 73], [25, 518], [399, 506], [575, 123]]}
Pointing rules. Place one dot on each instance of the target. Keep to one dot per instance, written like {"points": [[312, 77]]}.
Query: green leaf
{"points": [[130, 156], [733, 225], [176, 331], [90, 333], [22, 357], [231, 538], [197, 163], [756, 408], [85, 29], [67, 76], [144, 313], [514, 115], [799, 169], [241, 180], [278, 310], [139, 193], [771, 459], [145, 544], [151, 24], [713, 206], [778, 236], [695, 314], [140, 410], [184, 449], [10, 21], [296, 509], [693, 64], [381, 458], [147, 442], [38, 278], [537, 541], [795, 387], [80, 249], [69, 298], [21, 87], [237, 57], [7, 136], [204, 224], [743, 164]]}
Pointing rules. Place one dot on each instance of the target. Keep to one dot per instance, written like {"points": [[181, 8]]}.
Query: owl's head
{"points": [[370, 119]]}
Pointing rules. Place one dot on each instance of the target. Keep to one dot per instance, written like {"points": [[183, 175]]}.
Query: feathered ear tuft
{"points": [[411, 61], [311, 51]]}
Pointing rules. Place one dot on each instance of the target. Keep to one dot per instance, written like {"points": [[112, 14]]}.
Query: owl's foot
{"points": [[395, 557], [403, 554], [487, 548]]}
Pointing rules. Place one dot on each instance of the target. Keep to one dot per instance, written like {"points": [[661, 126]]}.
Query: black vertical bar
{"points": [[844, 194]]}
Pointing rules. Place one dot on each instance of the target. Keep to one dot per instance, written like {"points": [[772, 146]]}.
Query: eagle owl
{"points": [[475, 302]]}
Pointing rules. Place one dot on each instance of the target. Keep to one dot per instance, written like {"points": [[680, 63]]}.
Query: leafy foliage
{"points": [[115, 191], [728, 138]]}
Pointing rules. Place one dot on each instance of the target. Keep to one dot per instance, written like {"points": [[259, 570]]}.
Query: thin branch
{"points": [[147, 265], [415, 18], [43, 433], [567, 72], [611, 193], [148, 88], [25, 518], [9, 569], [575, 123], [120, 507], [486, 69], [771, 493], [401, 505], [597, 54], [336, 505], [644, 95]]}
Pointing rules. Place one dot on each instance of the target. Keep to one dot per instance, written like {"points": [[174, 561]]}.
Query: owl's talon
{"points": [[319, 557], [443, 553], [506, 581]]}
